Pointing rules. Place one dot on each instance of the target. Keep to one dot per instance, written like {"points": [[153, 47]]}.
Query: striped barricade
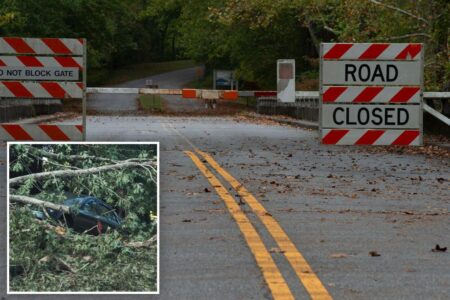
{"points": [[210, 94], [371, 94], [40, 132], [43, 68]]}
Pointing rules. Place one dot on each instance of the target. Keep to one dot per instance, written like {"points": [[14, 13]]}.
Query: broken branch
{"points": [[71, 173], [34, 201], [145, 244]]}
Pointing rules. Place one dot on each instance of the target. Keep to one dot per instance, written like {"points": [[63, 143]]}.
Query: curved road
{"points": [[112, 103]]}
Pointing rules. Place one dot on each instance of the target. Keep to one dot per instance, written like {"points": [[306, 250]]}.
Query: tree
{"points": [[251, 35]]}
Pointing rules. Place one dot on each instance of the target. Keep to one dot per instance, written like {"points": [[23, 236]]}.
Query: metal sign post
{"points": [[43, 68], [371, 94], [84, 104]]}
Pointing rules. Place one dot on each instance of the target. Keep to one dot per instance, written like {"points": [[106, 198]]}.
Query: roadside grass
{"points": [[151, 103], [247, 101], [136, 71]]}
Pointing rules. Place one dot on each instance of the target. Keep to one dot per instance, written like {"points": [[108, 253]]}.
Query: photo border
{"points": [[158, 264]]}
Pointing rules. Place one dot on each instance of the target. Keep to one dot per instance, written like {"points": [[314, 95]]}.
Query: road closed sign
{"points": [[368, 91], [371, 73], [370, 116]]}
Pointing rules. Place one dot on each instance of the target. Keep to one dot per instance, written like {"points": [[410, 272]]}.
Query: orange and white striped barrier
{"points": [[210, 94], [371, 94], [58, 46], [370, 137], [33, 132], [371, 51], [42, 61], [28, 89], [37, 68]]}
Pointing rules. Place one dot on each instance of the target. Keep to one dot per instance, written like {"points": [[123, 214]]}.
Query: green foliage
{"points": [[250, 36], [117, 31], [101, 263]]}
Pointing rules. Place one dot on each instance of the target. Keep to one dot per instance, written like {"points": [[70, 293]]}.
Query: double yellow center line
{"points": [[272, 275]]}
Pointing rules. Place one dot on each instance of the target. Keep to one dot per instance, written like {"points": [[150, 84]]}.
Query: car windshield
{"points": [[90, 207], [106, 212]]}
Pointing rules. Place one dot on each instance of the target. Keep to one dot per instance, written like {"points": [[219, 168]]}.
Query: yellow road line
{"points": [[303, 270], [270, 271]]}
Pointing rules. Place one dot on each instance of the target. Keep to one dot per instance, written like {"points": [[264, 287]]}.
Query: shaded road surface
{"points": [[110, 103], [335, 204]]}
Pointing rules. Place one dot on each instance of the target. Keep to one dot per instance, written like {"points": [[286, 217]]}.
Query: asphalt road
{"points": [[335, 205], [114, 103]]}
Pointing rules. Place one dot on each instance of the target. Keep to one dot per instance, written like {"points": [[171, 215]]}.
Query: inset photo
{"points": [[83, 218]]}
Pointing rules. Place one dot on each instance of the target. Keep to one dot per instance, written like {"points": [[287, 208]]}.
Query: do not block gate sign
{"points": [[371, 94]]}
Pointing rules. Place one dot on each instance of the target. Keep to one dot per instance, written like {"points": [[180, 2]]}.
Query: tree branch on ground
{"points": [[34, 201], [145, 244]]}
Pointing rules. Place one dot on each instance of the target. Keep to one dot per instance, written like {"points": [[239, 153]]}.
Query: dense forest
{"points": [[247, 36]]}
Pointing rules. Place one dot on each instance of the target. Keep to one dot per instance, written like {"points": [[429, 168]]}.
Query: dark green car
{"points": [[88, 214]]}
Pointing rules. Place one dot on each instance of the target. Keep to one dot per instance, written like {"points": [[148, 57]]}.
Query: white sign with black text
{"points": [[371, 73], [38, 73], [370, 116]]}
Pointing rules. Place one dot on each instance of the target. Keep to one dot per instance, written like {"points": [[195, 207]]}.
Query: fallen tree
{"points": [[71, 173], [47, 253]]}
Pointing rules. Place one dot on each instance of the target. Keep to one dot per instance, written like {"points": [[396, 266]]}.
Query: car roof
{"points": [[79, 200], [82, 200]]}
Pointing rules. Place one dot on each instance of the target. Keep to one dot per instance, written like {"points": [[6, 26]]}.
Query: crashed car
{"points": [[88, 214]]}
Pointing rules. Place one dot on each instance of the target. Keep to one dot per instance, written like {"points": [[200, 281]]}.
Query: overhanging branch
{"points": [[397, 9]]}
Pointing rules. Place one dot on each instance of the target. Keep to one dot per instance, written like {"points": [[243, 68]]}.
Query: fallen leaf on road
{"points": [[374, 253], [440, 180], [338, 255], [287, 210], [276, 250], [207, 190], [438, 248]]}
